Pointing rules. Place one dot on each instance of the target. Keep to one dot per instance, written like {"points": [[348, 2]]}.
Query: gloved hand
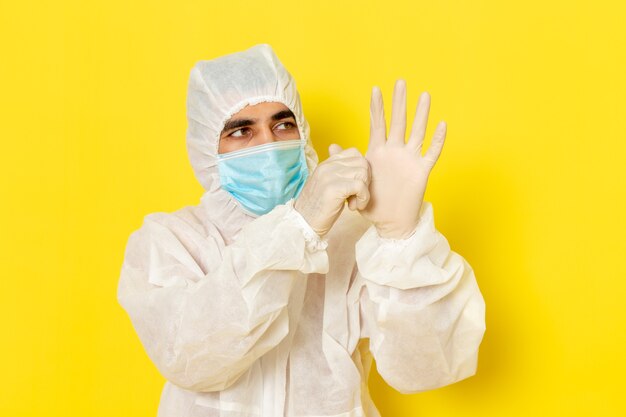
{"points": [[399, 171], [344, 174]]}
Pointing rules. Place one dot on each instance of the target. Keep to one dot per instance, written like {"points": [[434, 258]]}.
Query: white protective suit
{"points": [[250, 316]]}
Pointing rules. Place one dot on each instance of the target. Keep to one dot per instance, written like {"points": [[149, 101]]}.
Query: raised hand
{"points": [[399, 172]]}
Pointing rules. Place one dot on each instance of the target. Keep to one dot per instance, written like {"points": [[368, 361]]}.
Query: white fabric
{"points": [[259, 317]]}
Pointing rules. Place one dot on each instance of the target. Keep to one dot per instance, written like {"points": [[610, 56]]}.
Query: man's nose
{"points": [[266, 135]]}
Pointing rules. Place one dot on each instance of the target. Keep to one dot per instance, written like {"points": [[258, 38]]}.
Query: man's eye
{"points": [[287, 125], [239, 132]]}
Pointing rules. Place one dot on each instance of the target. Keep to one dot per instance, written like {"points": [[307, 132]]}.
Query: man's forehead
{"points": [[263, 108]]}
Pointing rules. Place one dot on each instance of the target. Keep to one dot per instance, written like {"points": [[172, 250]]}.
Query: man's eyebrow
{"points": [[283, 115], [233, 124]]}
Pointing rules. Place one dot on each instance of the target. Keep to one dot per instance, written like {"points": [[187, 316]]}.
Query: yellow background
{"points": [[529, 188]]}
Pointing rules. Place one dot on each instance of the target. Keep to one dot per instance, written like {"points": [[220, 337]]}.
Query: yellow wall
{"points": [[529, 188]]}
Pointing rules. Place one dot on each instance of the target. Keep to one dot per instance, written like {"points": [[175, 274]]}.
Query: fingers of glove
{"points": [[377, 119], [360, 172], [345, 153], [436, 144], [397, 129], [357, 170], [419, 122], [362, 197], [352, 202], [334, 149], [327, 177], [358, 189], [331, 166]]}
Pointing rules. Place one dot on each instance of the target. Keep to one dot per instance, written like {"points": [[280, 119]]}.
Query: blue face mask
{"points": [[264, 176]]}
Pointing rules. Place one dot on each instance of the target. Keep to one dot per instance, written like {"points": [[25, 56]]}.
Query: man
{"points": [[269, 298]]}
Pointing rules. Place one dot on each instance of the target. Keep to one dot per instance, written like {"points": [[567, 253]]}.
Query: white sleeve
{"points": [[204, 330], [421, 308]]}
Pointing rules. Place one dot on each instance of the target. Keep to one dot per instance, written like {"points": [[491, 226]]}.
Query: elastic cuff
{"points": [[399, 242], [312, 239], [425, 217]]}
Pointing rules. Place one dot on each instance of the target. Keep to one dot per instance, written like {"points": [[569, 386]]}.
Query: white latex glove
{"points": [[344, 174], [399, 171]]}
